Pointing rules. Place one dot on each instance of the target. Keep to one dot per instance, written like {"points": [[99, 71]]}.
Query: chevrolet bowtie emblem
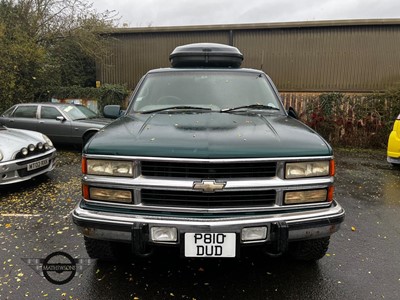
{"points": [[208, 186]]}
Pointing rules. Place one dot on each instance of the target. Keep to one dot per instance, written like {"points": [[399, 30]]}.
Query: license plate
{"points": [[38, 164], [210, 244]]}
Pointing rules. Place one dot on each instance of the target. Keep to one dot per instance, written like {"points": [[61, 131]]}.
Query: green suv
{"points": [[207, 159]]}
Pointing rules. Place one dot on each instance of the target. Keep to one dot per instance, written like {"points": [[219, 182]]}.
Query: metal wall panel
{"points": [[350, 56], [325, 59], [132, 55]]}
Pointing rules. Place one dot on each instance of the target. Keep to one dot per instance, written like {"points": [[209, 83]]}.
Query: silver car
{"points": [[62, 123], [24, 154]]}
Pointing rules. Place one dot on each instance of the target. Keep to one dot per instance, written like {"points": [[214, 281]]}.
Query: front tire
{"points": [[309, 250]]}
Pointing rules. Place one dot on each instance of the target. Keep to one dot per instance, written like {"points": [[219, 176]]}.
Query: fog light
{"points": [[31, 147], [254, 233], [24, 151], [164, 234]]}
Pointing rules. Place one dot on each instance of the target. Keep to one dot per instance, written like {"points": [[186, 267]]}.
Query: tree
{"points": [[47, 43]]}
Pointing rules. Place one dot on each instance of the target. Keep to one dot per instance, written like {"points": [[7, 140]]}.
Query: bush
{"points": [[354, 120]]}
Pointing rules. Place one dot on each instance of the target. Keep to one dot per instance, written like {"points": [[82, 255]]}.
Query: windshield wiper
{"points": [[174, 107], [251, 106]]}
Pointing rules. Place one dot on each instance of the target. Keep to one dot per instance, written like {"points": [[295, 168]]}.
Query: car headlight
{"points": [[309, 169], [24, 151], [118, 168], [298, 197], [123, 196], [48, 141]]}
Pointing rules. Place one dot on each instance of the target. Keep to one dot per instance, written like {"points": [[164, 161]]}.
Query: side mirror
{"points": [[292, 113], [60, 118], [112, 111]]}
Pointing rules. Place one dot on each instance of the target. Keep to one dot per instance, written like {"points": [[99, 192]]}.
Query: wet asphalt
{"points": [[363, 260]]}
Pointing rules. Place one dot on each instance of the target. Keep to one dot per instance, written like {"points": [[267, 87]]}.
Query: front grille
{"points": [[208, 200], [209, 170]]}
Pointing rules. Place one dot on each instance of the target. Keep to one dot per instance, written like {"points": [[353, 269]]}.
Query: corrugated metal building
{"points": [[325, 56]]}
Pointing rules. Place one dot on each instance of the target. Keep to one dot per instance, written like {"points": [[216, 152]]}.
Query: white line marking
{"points": [[20, 215]]}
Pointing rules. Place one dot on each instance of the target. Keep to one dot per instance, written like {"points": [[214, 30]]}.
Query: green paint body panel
{"points": [[208, 135]]}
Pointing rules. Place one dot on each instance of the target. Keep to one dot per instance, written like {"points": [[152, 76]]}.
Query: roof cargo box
{"points": [[206, 55]]}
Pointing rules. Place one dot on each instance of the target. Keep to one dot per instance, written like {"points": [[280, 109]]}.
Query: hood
{"points": [[13, 140], [208, 135], [96, 122]]}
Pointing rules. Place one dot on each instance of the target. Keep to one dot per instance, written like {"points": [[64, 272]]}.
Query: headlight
{"points": [[309, 169], [298, 197], [109, 167], [123, 196], [24, 151], [48, 141]]}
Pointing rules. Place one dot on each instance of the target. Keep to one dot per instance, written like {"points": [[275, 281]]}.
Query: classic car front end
{"points": [[170, 201], [268, 187], [24, 154], [207, 159]]}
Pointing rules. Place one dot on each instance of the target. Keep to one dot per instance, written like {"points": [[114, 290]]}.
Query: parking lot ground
{"points": [[362, 261]]}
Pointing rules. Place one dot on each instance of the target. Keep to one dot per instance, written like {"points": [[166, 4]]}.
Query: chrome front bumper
{"points": [[9, 170], [308, 224]]}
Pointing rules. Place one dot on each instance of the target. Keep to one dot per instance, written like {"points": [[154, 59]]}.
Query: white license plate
{"points": [[38, 164], [210, 244]]}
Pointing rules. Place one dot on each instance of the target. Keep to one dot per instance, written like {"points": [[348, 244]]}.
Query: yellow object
{"points": [[393, 149]]}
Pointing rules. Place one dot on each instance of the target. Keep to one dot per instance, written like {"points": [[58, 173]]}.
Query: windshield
{"points": [[87, 111], [215, 90], [75, 113]]}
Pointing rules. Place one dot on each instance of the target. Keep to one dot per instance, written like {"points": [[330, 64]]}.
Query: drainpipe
{"points": [[231, 37]]}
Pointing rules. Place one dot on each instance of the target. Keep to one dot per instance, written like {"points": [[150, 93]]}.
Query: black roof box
{"points": [[206, 55]]}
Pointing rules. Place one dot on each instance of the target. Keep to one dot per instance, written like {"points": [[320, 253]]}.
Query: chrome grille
{"points": [[209, 170], [208, 200]]}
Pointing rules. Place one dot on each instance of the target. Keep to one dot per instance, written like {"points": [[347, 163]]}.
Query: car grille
{"points": [[208, 200], [209, 170]]}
